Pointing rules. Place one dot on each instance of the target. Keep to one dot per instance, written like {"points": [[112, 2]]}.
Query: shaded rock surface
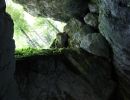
{"points": [[91, 19], [64, 76], [8, 87], [93, 8], [61, 41], [77, 30], [96, 44], [61, 77], [115, 27], [94, 1], [61, 10]]}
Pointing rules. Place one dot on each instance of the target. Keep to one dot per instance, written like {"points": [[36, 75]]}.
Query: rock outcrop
{"points": [[61, 10], [96, 44], [77, 30], [93, 8], [115, 27], [63, 75]]}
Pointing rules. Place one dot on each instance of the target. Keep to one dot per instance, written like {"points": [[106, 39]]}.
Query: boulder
{"points": [[96, 44], [77, 30], [91, 19]]}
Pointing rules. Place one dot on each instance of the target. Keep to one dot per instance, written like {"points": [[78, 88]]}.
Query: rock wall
{"points": [[8, 86], [61, 10], [63, 75], [115, 27]]}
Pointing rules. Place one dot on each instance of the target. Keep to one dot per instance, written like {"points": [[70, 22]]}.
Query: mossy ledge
{"points": [[62, 73], [30, 52]]}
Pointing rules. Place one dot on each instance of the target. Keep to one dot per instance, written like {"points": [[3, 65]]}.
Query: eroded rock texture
{"points": [[115, 26], [65, 76], [61, 10], [81, 77], [77, 31], [96, 44], [91, 19]]}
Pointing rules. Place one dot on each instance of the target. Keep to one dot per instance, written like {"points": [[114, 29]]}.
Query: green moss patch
{"points": [[33, 52]]}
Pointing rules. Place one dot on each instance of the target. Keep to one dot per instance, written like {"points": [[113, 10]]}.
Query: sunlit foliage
{"points": [[16, 12], [30, 31]]}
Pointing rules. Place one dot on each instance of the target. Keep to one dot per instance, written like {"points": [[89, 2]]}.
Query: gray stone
{"points": [[96, 44], [92, 80], [91, 19], [93, 8], [61, 10], [115, 27], [77, 31]]}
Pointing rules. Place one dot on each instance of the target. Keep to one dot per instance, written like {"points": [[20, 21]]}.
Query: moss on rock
{"points": [[28, 52]]}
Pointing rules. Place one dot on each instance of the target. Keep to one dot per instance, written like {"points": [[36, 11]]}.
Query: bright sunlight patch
{"points": [[30, 31]]}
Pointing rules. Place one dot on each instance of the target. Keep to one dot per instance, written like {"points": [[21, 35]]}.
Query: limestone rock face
{"points": [[91, 19], [61, 10], [115, 27], [64, 76], [96, 44], [77, 30]]}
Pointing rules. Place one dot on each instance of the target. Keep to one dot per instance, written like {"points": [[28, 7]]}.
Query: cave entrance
{"points": [[30, 31]]}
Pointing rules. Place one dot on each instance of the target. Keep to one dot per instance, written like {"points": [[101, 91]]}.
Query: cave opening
{"points": [[30, 31]]}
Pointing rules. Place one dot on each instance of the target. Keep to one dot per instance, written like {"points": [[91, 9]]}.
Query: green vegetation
{"points": [[27, 52], [16, 11], [30, 31]]}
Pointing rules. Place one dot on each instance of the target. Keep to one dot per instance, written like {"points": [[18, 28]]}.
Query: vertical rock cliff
{"points": [[115, 27], [8, 86]]}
